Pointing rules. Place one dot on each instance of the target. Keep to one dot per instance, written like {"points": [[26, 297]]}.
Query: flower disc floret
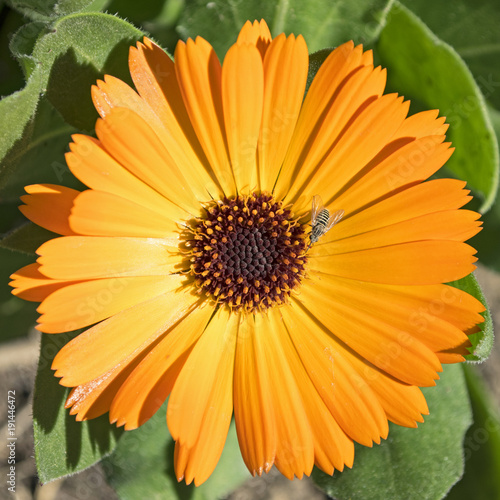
{"points": [[247, 252]]}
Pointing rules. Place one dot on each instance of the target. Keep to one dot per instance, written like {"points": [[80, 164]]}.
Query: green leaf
{"points": [[484, 241], [39, 156], [66, 7], [328, 24], [482, 341], [16, 111], [142, 466], [158, 18], [26, 238], [471, 27], [323, 24], [45, 10], [424, 68], [17, 316], [97, 6], [10, 218], [11, 76], [146, 12], [411, 464], [481, 446], [38, 10], [80, 49], [23, 42], [220, 21], [62, 445]]}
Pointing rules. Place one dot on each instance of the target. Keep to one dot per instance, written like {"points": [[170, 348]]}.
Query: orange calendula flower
{"points": [[202, 254]]}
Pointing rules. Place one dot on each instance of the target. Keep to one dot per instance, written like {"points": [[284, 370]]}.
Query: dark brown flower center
{"points": [[247, 252]]}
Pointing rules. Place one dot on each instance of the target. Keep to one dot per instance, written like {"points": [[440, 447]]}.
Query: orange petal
{"points": [[98, 213], [295, 440], [153, 73], [199, 76], [134, 144], [402, 403], [446, 302], [30, 284], [421, 125], [83, 304], [364, 136], [350, 400], [120, 338], [391, 305], [332, 448], [151, 381], [364, 85], [113, 93], [242, 100], [201, 404], [453, 357], [326, 84], [453, 225], [192, 389], [285, 74], [93, 165], [100, 395], [380, 343], [416, 263], [253, 398], [441, 301], [87, 257], [93, 399], [49, 206], [425, 198], [256, 33], [400, 167]]}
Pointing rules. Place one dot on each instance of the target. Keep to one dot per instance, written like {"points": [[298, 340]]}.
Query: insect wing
{"points": [[317, 206], [333, 219]]}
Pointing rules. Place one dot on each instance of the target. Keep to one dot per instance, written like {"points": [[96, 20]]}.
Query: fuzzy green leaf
{"points": [[322, 24], [66, 7], [37, 10], [328, 24], [39, 156], [16, 111], [46, 10], [23, 42], [471, 28], [80, 49], [484, 242], [424, 68], [68, 60], [62, 445], [482, 341], [11, 75], [412, 464], [481, 446], [158, 18]]}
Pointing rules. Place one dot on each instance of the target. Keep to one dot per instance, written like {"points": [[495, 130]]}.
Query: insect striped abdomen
{"points": [[319, 225]]}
